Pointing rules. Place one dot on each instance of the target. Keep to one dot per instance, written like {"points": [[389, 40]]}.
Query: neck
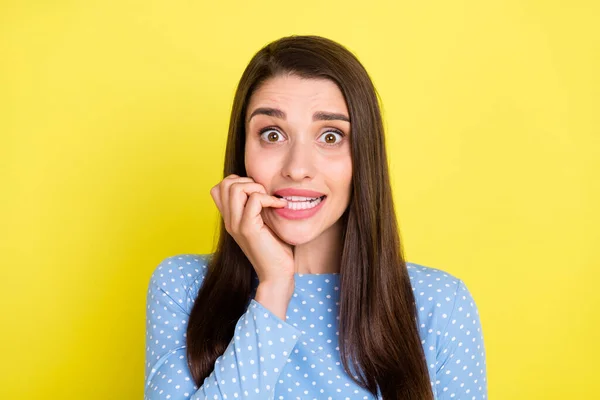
{"points": [[322, 255]]}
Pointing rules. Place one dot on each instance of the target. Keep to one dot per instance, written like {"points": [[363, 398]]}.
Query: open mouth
{"points": [[298, 203]]}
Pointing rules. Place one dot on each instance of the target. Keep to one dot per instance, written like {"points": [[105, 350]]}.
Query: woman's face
{"points": [[298, 137]]}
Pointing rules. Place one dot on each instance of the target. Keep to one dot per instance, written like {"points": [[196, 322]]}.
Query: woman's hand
{"points": [[241, 201]]}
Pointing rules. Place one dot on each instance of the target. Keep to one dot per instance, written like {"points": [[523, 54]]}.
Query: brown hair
{"points": [[378, 334]]}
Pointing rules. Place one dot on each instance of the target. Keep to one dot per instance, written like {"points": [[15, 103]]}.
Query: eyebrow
{"points": [[317, 116]]}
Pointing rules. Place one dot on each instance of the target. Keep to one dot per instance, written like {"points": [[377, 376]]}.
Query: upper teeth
{"points": [[299, 198]]}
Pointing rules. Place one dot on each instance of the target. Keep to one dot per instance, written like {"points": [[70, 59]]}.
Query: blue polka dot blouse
{"points": [[299, 358]]}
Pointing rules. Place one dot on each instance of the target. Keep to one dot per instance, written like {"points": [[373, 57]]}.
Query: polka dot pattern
{"points": [[299, 358]]}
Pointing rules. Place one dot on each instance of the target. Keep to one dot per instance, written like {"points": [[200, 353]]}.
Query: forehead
{"points": [[287, 91]]}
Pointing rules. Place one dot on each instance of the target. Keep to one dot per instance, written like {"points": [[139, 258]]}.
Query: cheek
{"points": [[252, 161], [259, 169], [340, 173]]}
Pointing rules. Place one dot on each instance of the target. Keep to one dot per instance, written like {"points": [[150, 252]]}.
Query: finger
{"points": [[255, 205], [238, 197], [224, 187], [215, 193]]}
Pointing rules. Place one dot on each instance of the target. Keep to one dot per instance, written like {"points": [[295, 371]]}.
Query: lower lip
{"points": [[299, 214]]}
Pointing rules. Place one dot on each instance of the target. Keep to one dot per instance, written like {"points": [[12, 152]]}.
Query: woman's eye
{"points": [[330, 137], [270, 135]]}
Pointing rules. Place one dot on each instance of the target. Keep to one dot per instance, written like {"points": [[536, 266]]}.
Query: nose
{"points": [[299, 161]]}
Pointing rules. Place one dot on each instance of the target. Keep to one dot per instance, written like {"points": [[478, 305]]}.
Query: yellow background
{"points": [[113, 119]]}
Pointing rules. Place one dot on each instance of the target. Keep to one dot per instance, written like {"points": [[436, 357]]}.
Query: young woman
{"points": [[307, 295]]}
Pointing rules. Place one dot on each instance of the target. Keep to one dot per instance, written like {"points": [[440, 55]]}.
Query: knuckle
{"points": [[234, 186]]}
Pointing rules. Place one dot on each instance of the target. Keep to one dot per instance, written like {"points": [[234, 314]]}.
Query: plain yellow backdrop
{"points": [[113, 120]]}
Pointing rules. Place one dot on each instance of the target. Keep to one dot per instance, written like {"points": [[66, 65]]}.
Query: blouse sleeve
{"points": [[250, 366], [460, 360]]}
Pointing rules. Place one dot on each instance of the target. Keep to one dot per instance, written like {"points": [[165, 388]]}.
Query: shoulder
{"points": [[436, 292], [431, 281], [179, 278], [440, 297]]}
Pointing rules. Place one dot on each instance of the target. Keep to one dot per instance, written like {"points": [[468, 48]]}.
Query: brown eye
{"points": [[271, 136], [331, 139]]}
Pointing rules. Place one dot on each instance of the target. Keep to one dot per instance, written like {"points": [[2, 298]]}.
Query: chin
{"points": [[291, 235], [294, 239]]}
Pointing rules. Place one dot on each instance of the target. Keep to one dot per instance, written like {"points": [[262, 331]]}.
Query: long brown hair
{"points": [[378, 334]]}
